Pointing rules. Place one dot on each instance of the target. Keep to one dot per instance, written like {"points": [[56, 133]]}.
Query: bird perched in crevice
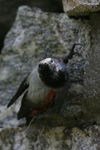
{"points": [[42, 86]]}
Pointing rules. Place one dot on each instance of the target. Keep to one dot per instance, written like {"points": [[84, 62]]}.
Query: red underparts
{"points": [[48, 101]]}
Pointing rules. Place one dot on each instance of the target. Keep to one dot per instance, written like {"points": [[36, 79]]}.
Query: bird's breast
{"points": [[36, 95], [37, 90]]}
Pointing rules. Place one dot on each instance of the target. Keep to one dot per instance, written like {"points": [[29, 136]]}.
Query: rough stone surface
{"points": [[80, 7], [47, 138], [8, 11], [92, 70], [35, 35]]}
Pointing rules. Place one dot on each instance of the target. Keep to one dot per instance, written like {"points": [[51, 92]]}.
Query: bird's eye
{"points": [[52, 61]]}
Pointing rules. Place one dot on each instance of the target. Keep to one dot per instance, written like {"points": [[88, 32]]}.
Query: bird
{"points": [[41, 87]]}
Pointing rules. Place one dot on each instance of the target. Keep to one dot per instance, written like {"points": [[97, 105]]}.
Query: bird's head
{"points": [[52, 72]]}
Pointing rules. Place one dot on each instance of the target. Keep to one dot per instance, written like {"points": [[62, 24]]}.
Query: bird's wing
{"points": [[25, 108], [23, 86]]}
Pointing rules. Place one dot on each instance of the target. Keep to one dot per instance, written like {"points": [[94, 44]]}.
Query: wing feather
{"points": [[23, 86]]}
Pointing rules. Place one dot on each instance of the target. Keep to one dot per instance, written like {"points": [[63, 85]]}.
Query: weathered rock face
{"points": [[92, 71], [8, 11], [40, 137], [80, 7], [35, 35]]}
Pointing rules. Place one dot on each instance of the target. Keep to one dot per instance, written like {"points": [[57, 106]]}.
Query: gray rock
{"points": [[8, 11], [43, 138], [91, 100], [35, 35], [80, 7]]}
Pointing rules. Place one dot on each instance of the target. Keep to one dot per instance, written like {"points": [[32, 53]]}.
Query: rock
{"points": [[8, 12], [14, 139], [36, 137], [36, 35], [91, 90], [54, 138], [80, 7]]}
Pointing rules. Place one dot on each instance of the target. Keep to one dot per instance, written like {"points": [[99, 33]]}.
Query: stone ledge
{"points": [[80, 7]]}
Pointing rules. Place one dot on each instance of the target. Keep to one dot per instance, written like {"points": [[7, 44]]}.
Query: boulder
{"points": [[34, 36], [8, 11]]}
